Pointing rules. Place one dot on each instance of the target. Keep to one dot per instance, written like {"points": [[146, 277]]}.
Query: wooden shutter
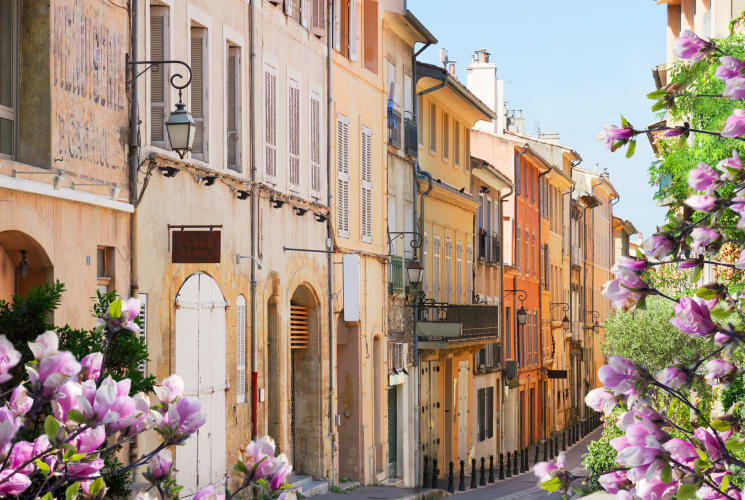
{"points": [[366, 183], [482, 414], [318, 17], [199, 92], [353, 29], [425, 252], [456, 142], [432, 127], [305, 13], [270, 122], [448, 269], [342, 176], [315, 145], [143, 321], [436, 268], [490, 412], [299, 327], [469, 273], [240, 347], [158, 79], [293, 136], [459, 272], [445, 136], [233, 109], [337, 25]]}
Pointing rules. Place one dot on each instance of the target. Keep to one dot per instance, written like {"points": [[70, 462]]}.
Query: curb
{"points": [[430, 494]]}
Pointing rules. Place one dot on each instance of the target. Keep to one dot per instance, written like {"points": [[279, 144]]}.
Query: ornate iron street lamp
{"points": [[595, 324], [565, 323]]}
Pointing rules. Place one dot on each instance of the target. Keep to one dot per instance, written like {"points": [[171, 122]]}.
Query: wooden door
{"points": [[463, 410]]}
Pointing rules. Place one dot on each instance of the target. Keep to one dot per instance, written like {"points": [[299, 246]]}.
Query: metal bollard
{"points": [[526, 458], [482, 479], [535, 460], [451, 483], [501, 465], [425, 473], [564, 441], [462, 478], [522, 460], [435, 473], [509, 465], [551, 450], [473, 473], [515, 465], [545, 451], [556, 445], [491, 468]]}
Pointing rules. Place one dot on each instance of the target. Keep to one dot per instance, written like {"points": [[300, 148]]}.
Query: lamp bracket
{"points": [[155, 66], [552, 305], [521, 295], [415, 243]]}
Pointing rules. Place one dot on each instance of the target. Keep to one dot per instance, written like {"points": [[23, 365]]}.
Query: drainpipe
{"points": [[540, 295], [502, 199], [253, 16], [572, 166], [330, 238], [133, 154]]}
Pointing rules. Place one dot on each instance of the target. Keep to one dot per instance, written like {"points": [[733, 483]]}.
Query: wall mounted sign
{"points": [[195, 247], [557, 374]]}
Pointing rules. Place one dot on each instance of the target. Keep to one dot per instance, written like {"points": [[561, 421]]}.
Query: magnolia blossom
{"points": [[170, 389], [675, 132], [611, 134], [613, 481], [9, 425], [692, 317], [45, 345], [680, 450], [625, 291], [624, 263], [657, 247], [160, 464], [601, 400], [701, 202], [619, 375], [718, 371], [91, 366], [735, 124], [654, 489], [14, 485], [729, 67], [740, 264], [90, 439], [127, 315], [21, 454], [706, 492], [208, 493], [9, 357], [711, 444], [703, 237], [703, 178], [20, 402], [548, 470], [672, 376], [690, 46], [730, 166]]}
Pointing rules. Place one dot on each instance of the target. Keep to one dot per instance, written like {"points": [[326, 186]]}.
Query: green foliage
{"points": [[601, 456]]}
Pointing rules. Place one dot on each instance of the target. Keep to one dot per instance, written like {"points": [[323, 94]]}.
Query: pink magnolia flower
{"points": [[160, 464], [730, 167], [104, 400], [9, 357], [735, 124], [672, 376], [625, 291], [614, 481], [692, 317], [143, 415], [124, 408], [86, 469], [601, 400], [680, 450], [20, 402], [91, 365], [729, 67], [611, 134], [208, 493], [692, 47], [14, 485], [657, 247], [280, 476], [21, 453], [703, 178], [543, 470], [9, 425], [66, 399], [735, 88], [706, 492], [53, 371], [644, 434], [703, 237], [718, 371], [709, 442], [91, 438], [170, 389], [633, 456], [617, 374], [46, 344], [624, 263], [190, 415], [740, 264], [689, 264], [674, 132], [654, 489], [701, 202]]}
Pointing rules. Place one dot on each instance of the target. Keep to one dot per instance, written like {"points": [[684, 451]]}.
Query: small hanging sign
{"points": [[557, 374], [195, 247]]}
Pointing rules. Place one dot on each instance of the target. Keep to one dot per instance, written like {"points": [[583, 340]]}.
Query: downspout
{"points": [[584, 299], [133, 154], [330, 239], [572, 166], [252, 14], [502, 199], [540, 291]]}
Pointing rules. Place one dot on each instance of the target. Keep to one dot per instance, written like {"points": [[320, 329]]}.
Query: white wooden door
{"points": [[200, 360], [463, 410]]}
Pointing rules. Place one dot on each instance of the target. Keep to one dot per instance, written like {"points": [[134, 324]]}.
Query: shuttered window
{"points": [[158, 79], [456, 142], [293, 135], [459, 272], [469, 273], [342, 176], [420, 120], [432, 127], [299, 326], [481, 412], [436, 269], [318, 17], [425, 253], [143, 322], [490, 412], [315, 144], [198, 86], [270, 122], [508, 333], [240, 350], [448, 269], [445, 136], [518, 248], [233, 109], [353, 29], [366, 183]]}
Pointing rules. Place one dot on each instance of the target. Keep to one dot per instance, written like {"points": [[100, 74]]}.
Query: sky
{"points": [[571, 67]]}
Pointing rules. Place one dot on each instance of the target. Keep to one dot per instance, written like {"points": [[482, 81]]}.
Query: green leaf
{"points": [[71, 493], [720, 313], [43, 467], [97, 486], [240, 467], [76, 416], [720, 425], [624, 122], [48, 496], [68, 455], [725, 482], [701, 455], [661, 104], [666, 475], [51, 427], [706, 293], [696, 274], [657, 94], [115, 308], [686, 491], [551, 485], [682, 140], [262, 483], [631, 148], [734, 445]]}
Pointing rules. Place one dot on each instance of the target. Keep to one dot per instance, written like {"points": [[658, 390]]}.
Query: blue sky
{"points": [[572, 67]]}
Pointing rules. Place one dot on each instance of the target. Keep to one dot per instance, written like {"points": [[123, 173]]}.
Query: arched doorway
{"points": [[305, 378], [200, 360], [23, 264], [275, 366]]}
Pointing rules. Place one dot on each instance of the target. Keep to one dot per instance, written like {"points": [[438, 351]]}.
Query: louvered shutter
{"points": [[436, 268], [459, 272], [490, 412], [143, 321], [337, 25], [315, 145], [305, 13], [270, 123], [240, 347], [456, 142], [425, 252], [342, 176], [158, 79], [318, 17], [233, 109], [199, 92], [448, 269], [353, 29], [445, 136], [432, 127], [469, 273], [481, 414], [293, 137], [299, 326], [366, 183]]}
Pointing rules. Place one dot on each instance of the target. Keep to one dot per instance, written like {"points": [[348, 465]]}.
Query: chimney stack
{"points": [[451, 67], [483, 55], [481, 79]]}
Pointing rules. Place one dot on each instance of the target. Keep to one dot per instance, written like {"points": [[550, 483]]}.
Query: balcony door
{"points": [[463, 372]]}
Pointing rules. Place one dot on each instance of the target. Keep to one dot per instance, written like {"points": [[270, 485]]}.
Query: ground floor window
{"points": [[486, 413]]}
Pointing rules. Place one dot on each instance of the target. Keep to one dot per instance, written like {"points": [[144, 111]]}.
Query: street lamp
{"points": [[595, 316], [181, 128], [522, 316], [414, 271], [565, 323]]}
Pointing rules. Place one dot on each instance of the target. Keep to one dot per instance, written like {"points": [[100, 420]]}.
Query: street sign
{"points": [[195, 247], [557, 374]]}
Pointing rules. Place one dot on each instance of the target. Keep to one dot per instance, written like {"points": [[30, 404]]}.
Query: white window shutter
{"points": [[448, 269], [240, 347], [293, 137], [143, 319], [158, 79], [469, 275], [337, 25], [305, 13], [233, 109], [318, 17], [353, 29], [199, 92], [366, 184], [436, 269], [342, 176], [270, 123], [315, 145], [459, 272]]}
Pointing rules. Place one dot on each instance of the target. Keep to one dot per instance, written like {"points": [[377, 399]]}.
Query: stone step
{"points": [[315, 488]]}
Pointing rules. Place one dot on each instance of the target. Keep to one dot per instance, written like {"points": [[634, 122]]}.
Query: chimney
{"points": [[482, 55], [451, 67], [481, 79]]}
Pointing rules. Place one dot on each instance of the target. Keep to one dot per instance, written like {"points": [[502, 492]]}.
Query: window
{"points": [[448, 269], [199, 72], [525, 180], [459, 272], [420, 120], [318, 17], [342, 176], [233, 109], [158, 79], [370, 34], [315, 144], [531, 173], [526, 256], [293, 133], [432, 127], [366, 211], [105, 268], [481, 412], [533, 256], [142, 316], [345, 28], [436, 269], [456, 142], [508, 333], [517, 174], [517, 249], [445, 136], [293, 8], [490, 412], [8, 75], [270, 122], [469, 273], [425, 253], [240, 348], [485, 397]]}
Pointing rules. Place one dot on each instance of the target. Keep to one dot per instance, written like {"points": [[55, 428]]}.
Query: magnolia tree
{"points": [[59, 420], [657, 458]]}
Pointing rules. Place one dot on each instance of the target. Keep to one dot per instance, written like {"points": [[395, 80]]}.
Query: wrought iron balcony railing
{"points": [[410, 136], [394, 127], [454, 322]]}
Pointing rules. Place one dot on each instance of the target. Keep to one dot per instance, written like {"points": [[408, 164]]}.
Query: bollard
{"points": [[501, 465], [564, 441], [473, 473], [545, 451], [551, 450], [482, 479], [425, 473], [526, 458], [462, 478], [435, 473], [556, 445], [509, 465], [535, 460], [515, 465], [491, 468], [451, 484], [522, 460]]}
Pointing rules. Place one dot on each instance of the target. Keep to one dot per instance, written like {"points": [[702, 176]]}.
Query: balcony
{"points": [[457, 323], [410, 136], [576, 257], [488, 247], [394, 126]]}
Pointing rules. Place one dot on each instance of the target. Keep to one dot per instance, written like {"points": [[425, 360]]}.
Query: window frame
{"points": [[233, 50], [432, 127], [204, 36], [11, 113], [294, 180], [164, 11]]}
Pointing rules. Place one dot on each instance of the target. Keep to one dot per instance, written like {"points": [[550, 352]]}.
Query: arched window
{"points": [[240, 347]]}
